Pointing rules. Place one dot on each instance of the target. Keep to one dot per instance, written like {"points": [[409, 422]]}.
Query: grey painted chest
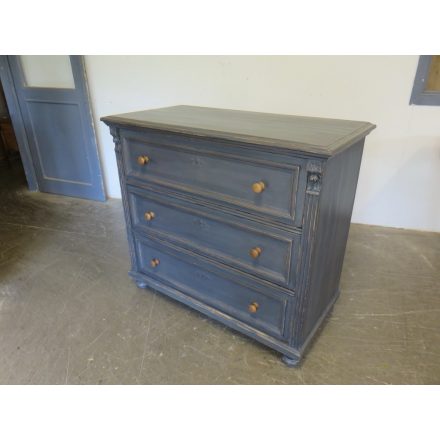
{"points": [[243, 216]]}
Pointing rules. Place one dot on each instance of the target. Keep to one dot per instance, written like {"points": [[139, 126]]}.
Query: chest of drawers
{"points": [[243, 216]]}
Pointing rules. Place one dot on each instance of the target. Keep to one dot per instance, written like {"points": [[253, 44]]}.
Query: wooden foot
{"points": [[290, 361], [141, 284]]}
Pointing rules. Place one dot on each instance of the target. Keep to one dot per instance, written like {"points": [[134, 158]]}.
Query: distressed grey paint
{"points": [[212, 272], [203, 231]]}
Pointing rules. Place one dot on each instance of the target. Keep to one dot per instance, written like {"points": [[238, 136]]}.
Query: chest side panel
{"points": [[336, 199]]}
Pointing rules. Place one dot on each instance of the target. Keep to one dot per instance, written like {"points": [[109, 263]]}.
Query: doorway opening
{"points": [[12, 174]]}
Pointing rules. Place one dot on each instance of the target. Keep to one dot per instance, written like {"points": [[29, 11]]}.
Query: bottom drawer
{"points": [[171, 266]]}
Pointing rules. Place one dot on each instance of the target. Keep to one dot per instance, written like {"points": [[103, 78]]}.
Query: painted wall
{"points": [[400, 176]]}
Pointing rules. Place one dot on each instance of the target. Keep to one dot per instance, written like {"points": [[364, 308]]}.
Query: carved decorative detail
{"points": [[314, 177], [114, 131], [314, 182]]}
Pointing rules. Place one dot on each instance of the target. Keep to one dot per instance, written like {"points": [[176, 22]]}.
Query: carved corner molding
{"points": [[116, 138], [314, 178]]}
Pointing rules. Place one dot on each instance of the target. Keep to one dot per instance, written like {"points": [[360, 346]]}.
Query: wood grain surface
{"points": [[318, 136]]}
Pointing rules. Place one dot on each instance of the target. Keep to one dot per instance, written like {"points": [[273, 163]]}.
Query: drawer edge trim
{"points": [[229, 321], [287, 277], [254, 216], [210, 196], [222, 258], [237, 276]]}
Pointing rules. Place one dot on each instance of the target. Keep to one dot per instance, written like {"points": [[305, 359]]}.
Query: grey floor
{"points": [[69, 314]]}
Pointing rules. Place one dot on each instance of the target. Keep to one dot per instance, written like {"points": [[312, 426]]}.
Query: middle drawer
{"points": [[264, 251]]}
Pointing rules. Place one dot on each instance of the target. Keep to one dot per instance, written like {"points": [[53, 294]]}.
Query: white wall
{"points": [[399, 184]]}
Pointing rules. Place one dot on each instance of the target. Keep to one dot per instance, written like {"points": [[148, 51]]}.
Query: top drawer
{"points": [[266, 188]]}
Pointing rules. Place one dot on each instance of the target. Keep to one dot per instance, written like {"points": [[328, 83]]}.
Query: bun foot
{"points": [[141, 284], [290, 361]]}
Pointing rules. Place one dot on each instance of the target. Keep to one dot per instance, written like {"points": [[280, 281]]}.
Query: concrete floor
{"points": [[69, 314]]}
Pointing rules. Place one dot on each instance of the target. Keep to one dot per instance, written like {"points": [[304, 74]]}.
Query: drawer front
{"points": [[266, 188], [257, 309], [218, 236]]}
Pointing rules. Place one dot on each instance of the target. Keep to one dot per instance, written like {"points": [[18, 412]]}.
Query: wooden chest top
{"points": [[316, 136]]}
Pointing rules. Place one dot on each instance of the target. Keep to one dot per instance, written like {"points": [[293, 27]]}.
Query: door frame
{"points": [[15, 113], [17, 122]]}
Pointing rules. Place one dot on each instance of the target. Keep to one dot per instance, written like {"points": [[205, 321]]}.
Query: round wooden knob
{"points": [[154, 262], [253, 307], [149, 216], [255, 252], [143, 160], [258, 187]]}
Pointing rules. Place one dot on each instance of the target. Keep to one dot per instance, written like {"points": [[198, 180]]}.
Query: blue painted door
{"points": [[53, 99]]}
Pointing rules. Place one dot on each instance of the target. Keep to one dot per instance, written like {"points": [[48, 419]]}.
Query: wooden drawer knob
{"points": [[253, 307], [149, 216], [154, 262], [143, 160], [255, 252], [258, 187]]}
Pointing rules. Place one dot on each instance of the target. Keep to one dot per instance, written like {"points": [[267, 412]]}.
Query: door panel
{"points": [[58, 124], [67, 163]]}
